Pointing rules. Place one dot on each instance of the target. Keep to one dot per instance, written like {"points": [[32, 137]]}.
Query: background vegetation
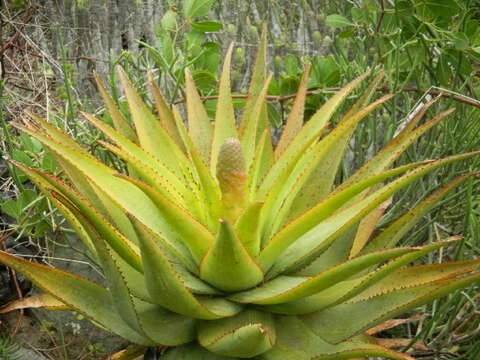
{"points": [[428, 48]]}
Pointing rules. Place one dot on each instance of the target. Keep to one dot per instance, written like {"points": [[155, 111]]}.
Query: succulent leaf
{"points": [[168, 289], [45, 301], [254, 130], [313, 163], [347, 289], [119, 121], [225, 124], [222, 245], [227, 264], [296, 341], [294, 121], [126, 249], [151, 135], [146, 165], [257, 82], [121, 295], [285, 289], [80, 294], [320, 181], [316, 241], [247, 228], [80, 182], [262, 162], [300, 226], [403, 278], [245, 335], [199, 127], [339, 323], [166, 116], [192, 233], [393, 233]]}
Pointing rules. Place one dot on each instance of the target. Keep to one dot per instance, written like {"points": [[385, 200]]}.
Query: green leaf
{"points": [[307, 135], [397, 229], [199, 127], [30, 144], [21, 156], [53, 187], [288, 288], [316, 241], [295, 118], [227, 264], [164, 112], [325, 72], [192, 352], [121, 124], [300, 226], [245, 335], [254, 126], [152, 137], [225, 126], [80, 294], [169, 20], [347, 289], [257, 82], [16, 208], [418, 275], [167, 288], [291, 65], [261, 163], [192, 233], [207, 26], [196, 8], [128, 196], [346, 320], [120, 293], [49, 164], [205, 80], [336, 21], [296, 341], [248, 228], [460, 41], [314, 165]]}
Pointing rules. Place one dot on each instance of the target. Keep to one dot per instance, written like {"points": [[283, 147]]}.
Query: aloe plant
{"points": [[217, 244]]}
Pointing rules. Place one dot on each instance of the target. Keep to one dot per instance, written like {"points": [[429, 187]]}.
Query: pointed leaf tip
{"points": [[227, 265]]}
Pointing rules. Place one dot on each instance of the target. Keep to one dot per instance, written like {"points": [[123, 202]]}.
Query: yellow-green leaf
{"points": [[227, 265], [225, 126], [199, 127]]}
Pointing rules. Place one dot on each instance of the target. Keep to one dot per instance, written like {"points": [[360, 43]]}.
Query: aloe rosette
{"points": [[216, 244]]}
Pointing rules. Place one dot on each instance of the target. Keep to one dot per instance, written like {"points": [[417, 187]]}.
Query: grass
{"points": [[8, 348]]}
